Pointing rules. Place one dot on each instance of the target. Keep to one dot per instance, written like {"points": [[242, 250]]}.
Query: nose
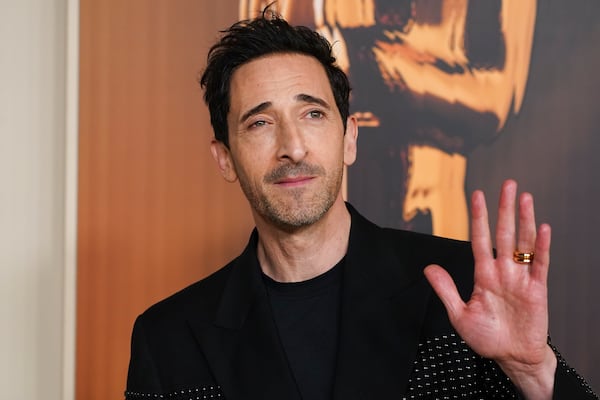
{"points": [[291, 143]]}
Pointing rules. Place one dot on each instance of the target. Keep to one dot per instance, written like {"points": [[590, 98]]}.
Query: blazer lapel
{"points": [[242, 346], [383, 306]]}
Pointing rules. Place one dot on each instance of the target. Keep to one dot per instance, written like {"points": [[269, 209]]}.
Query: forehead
{"points": [[276, 77]]}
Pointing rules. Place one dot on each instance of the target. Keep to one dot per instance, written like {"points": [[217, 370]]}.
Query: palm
{"points": [[506, 318]]}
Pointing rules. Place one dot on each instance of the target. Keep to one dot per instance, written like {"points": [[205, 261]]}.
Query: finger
{"points": [[481, 240], [505, 228], [444, 287], [527, 228], [541, 260]]}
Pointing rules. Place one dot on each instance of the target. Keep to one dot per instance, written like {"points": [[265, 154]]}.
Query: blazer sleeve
{"points": [[142, 378], [568, 384]]}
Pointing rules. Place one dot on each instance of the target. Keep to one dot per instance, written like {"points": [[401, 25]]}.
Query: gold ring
{"points": [[522, 258]]}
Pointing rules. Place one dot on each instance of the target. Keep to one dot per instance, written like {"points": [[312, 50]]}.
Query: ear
{"points": [[350, 139], [222, 156]]}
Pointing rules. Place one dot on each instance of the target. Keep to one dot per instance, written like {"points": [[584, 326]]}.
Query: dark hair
{"points": [[247, 40]]}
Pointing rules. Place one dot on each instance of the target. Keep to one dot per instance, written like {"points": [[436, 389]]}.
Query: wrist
{"points": [[533, 381]]}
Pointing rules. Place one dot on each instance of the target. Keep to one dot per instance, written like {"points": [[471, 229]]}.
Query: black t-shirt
{"points": [[307, 318]]}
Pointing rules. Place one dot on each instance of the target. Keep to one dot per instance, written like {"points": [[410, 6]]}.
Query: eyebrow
{"points": [[305, 98], [255, 110]]}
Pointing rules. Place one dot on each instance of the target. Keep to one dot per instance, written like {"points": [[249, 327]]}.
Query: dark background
{"points": [[552, 148]]}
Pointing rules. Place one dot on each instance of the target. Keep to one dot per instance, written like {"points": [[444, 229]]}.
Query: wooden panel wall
{"points": [[154, 213]]}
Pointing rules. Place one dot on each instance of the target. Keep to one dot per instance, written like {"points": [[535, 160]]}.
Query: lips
{"points": [[294, 174], [294, 180]]}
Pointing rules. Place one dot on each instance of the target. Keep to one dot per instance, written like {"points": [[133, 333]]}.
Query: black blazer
{"points": [[217, 337]]}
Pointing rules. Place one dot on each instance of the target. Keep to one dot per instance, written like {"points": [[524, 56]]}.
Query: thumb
{"points": [[444, 287]]}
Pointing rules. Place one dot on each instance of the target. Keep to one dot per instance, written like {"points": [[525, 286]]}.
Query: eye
{"points": [[316, 114], [257, 124]]}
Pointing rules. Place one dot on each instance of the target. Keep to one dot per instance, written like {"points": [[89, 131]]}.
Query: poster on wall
{"points": [[456, 95], [432, 80]]}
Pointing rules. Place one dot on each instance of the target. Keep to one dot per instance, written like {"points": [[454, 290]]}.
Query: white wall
{"points": [[33, 39]]}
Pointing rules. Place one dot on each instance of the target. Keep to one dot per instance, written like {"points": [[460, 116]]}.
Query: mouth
{"points": [[294, 175], [294, 181]]}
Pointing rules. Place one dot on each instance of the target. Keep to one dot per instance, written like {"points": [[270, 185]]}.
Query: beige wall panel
{"points": [[32, 185]]}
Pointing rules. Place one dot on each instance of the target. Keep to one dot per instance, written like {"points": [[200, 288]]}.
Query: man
{"points": [[323, 304]]}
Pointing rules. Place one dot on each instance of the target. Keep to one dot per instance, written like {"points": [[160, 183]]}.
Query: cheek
{"points": [[250, 167]]}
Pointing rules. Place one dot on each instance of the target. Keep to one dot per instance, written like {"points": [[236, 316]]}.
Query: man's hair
{"points": [[248, 40]]}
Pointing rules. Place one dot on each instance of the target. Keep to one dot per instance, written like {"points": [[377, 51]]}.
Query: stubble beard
{"points": [[300, 207]]}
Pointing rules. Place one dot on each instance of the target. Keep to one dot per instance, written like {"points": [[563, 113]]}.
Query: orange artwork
{"points": [[432, 79]]}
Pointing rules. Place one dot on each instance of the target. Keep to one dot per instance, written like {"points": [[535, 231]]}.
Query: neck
{"points": [[306, 252]]}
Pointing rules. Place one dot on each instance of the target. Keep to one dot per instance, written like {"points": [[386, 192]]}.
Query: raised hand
{"points": [[506, 318]]}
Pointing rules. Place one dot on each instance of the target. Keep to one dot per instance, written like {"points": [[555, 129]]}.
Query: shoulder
{"points": [[396, 251], [199, 299], [430, 249], [414, 246], [165, 356], [421, 250]]}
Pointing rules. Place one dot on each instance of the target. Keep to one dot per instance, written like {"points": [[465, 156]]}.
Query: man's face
{"points": [[287, 142]]}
